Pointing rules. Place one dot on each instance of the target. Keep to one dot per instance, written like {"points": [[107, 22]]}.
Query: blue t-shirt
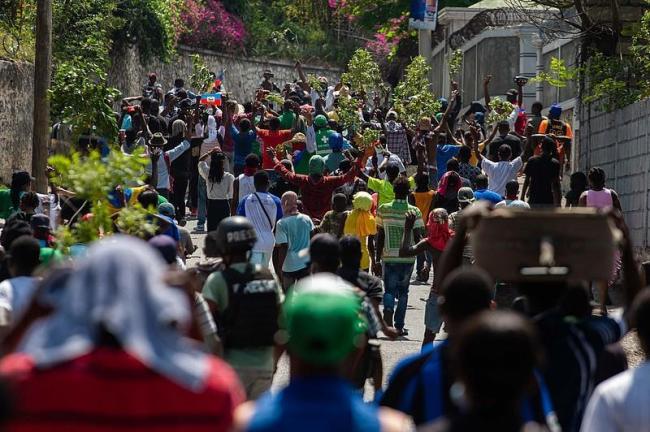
{"points": [[316, 404], [243, 143], [444, 153], [487, 195], [295, 232]]}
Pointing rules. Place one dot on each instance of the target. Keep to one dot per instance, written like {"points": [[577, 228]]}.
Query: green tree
{"points": [[362, 75], [92, 178], [413, 98]]}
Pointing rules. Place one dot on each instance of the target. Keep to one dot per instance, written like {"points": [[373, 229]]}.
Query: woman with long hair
{"points": [[21, 182], [219, 186]]}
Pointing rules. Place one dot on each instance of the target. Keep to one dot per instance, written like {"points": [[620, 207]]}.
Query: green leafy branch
{"points": [[413, 98], [455, 63], [559, 74]]}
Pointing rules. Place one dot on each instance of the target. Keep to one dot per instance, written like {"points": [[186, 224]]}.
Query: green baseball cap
{"points": [[323, 320], [316, 164], [320, 120]]}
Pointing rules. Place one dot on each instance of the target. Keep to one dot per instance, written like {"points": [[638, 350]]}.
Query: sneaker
{"points": [[199, 229], [182, 222], [402, 332]]}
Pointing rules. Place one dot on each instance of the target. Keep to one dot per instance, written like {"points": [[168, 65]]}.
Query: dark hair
{"points": [[339, 201], [325, 251], [287, 164], [178, 82], [211, 248], [537, 105], [641, 318], [453, 165], [274, 123], [504, 151], [465, 292], [503, 125], [345, 165], [261, 180], [578, 181], [495, 355], [464, 154], [392, 170], [244, 125], [24, 254], [30, 199], [252, 161], [512, 187], [148, 198], [145, 104], [350, 251], [215, 175], [401, 187], [13, 230], [181, 95], [481, 181], [19, 183], [421, 182], [597, 177], [548, 146]]}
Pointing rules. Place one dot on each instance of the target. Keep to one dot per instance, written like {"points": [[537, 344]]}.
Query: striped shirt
{"points": [[391, 218]]}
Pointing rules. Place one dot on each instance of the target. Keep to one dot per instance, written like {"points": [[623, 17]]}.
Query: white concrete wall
{"points": [[619, 142]]}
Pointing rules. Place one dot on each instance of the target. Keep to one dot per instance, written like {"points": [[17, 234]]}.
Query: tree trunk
{"points": [[42, 72]]}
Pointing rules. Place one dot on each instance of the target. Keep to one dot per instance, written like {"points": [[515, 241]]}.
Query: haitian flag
{"points": [[211, 99]]}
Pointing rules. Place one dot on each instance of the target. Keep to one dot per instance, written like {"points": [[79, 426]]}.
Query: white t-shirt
{"points": [[246, 186], [16, 293], [500, 173], [621, 403], [251, 208], [217, 191]]}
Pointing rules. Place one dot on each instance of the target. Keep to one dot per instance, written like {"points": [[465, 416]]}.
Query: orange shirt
{"points": [[423, 202]]}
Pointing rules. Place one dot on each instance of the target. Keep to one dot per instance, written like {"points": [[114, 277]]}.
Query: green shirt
{"points": [[216, 290], [6, 206], [391, 218], [323, 142], [286, 119], [384, 189]]}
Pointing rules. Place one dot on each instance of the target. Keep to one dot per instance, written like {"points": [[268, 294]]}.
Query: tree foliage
{"points": [[201, 77], [559, 74], [499, 110], [362, 75], [81, 98], [413, 98], [92, 178]]}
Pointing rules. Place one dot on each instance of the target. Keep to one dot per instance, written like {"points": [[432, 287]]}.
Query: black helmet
{"points": [[235, 235]]}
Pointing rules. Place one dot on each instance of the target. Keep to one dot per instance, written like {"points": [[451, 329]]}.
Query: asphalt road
{"points": [[392, 350]]}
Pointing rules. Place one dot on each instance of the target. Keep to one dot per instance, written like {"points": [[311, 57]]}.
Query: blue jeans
{"points": [[397, 277], [202, 210]]}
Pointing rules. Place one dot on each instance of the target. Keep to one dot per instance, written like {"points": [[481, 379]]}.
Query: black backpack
{"points": [[251, 318]]}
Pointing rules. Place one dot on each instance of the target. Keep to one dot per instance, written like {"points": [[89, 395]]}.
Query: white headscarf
{"points": [[118, 286], [212, 130]]}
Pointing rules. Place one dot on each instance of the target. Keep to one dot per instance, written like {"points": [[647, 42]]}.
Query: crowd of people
{"points": [[312, 237]]}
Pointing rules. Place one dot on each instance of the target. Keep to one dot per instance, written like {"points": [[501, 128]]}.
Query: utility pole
{"points": [[42, 76]]}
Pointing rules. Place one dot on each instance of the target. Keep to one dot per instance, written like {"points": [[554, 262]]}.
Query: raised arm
{"points": [[407, 249], [486, 92], [301, 74]]}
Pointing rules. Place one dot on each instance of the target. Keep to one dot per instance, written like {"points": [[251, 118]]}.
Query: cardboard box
{"points": [[563, 244]]}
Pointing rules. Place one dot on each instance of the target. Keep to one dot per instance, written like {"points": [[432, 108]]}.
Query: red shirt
{"points": [[316, 196], [269, 138], [108, 389]]}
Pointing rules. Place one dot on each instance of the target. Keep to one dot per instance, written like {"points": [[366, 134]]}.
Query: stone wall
{"points": [[619, 142], [242, 74], [16, 106]]}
